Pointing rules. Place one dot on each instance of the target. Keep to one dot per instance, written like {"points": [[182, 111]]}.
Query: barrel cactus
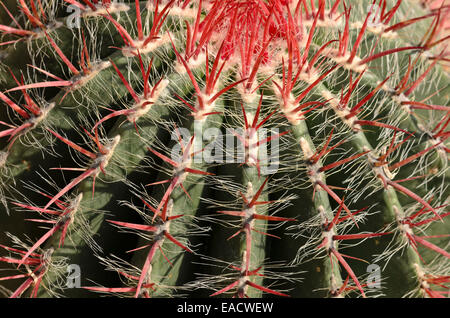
{"points": [[199, 148]]}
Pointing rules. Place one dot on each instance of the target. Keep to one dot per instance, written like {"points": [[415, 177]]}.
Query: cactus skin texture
{"points": [[198, 148]]}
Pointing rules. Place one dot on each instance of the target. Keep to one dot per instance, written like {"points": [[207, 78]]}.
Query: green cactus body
{"points": [[274, 148]]}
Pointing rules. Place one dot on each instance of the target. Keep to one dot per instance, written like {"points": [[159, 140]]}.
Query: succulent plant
{"points": [[249, 148]]}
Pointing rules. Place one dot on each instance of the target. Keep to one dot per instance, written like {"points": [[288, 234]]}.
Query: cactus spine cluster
{"points": [[249, 148]]}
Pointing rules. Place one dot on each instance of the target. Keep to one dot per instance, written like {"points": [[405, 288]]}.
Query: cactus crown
{"points": [[224, 148]]}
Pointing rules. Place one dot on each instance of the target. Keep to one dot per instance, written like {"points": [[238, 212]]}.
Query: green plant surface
{"points": [[276, 148]]}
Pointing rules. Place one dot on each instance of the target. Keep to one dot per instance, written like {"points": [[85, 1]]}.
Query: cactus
{"points": [[275, 148]]}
